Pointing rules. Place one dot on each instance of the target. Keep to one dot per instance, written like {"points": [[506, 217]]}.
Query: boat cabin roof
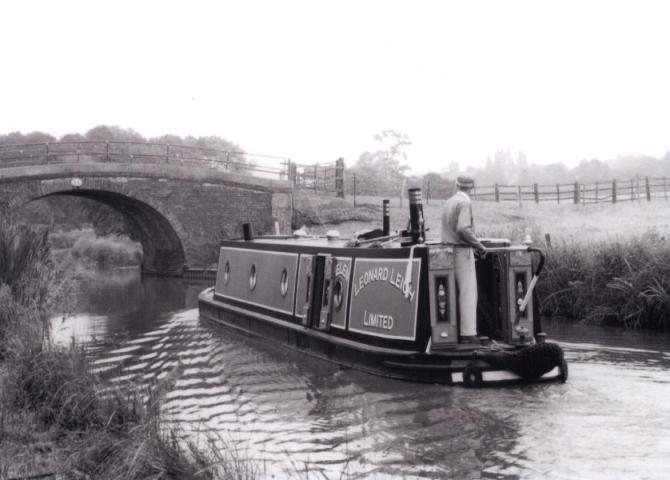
{"points": [[310, 241], [326, 242]]}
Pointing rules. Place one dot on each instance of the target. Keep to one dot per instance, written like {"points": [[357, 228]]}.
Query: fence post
{"points": [[107, 149], [576, 193], [518, 193], [597, 199], [428, 192], [284, 169], [665, 189], [354, 189], [637, 187], [632, 190], [497, 193], [339, 177], [536, 193], [167, 153], [646, 187], [613, 191], [292, 172], [558, 193], [583, 195], [46, 158], [316, 172]]}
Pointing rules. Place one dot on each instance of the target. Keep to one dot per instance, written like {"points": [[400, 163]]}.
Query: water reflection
{"points": [[290, 412], [116, 305]]}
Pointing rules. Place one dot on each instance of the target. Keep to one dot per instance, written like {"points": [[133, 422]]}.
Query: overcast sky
{"points": [[315, 80]]}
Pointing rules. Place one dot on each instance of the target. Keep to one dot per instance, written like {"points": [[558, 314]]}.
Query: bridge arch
{"points": [[159, 230]]}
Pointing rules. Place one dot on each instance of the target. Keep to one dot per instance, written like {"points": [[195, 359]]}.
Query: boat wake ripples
{"points": [[290, 413]]}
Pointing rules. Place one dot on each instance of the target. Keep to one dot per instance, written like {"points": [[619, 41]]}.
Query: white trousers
{"points": [[466, 279]]}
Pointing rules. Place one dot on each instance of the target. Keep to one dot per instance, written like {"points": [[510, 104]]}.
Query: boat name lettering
{"points": [[383, 274], [342, 270], [377, 320]]}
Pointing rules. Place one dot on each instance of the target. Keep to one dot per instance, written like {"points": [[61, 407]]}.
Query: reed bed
{"points": [[620, 282], [52, 403], [58, 418]]}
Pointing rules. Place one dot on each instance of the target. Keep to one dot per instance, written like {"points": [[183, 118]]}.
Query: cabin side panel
{"points": [[257, 277], [341, 283], [383, 302]]}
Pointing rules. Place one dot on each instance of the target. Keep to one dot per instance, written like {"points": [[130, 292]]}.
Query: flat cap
{"points": [[465, 181]]}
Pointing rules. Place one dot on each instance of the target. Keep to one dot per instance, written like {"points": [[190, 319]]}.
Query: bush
{"points": [[110, 251], [67, 238]]}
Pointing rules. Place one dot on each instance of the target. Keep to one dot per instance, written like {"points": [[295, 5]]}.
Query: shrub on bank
{"points": [[111, 251], [60, 239], [619, 282]]}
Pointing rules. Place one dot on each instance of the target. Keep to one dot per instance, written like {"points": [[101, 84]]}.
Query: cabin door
{"points": [[321, 307]]}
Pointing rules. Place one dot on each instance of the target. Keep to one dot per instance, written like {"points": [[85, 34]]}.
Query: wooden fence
{"points": [[319, 177], [612, 191]]}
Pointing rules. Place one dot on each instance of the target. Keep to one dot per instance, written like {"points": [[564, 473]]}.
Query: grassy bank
{"points": [[57, 416], [607, 264]]}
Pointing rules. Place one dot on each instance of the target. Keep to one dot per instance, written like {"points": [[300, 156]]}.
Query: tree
{"points": [[382, 171], [72, 137], [438, 186], [18, 138], [168, 140], [112, 133], [592, 171]]}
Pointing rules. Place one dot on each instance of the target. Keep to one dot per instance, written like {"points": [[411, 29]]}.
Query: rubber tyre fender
{"points": [[535, 360], [472, 376], [563, 371]]}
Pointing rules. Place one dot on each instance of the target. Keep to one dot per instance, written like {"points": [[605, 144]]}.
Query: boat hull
{"points": [[469, 365]]}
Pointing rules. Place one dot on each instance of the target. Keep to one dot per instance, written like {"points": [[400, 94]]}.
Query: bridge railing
{"points": [[143, 153]]}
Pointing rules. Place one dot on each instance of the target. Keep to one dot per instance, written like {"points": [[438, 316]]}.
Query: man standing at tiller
{"points": [[458, 231]]}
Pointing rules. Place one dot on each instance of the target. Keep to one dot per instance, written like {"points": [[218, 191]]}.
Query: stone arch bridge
{"points": [[180, 207]]}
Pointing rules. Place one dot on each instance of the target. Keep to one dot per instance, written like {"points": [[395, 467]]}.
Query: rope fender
{"points": [[530, 362]]}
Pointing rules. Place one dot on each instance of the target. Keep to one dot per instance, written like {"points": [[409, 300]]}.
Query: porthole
{"points": [[283, 284], [226, 273], [338, 294], [252, 277]]}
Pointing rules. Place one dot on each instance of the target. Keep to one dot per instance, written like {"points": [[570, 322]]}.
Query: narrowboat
{"points": [[387, 303]]}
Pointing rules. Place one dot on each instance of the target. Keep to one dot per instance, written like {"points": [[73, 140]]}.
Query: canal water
{"points": [[298, 417]]}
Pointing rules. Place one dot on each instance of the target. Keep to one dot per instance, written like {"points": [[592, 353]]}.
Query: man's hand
{"points": [[482, 251]]}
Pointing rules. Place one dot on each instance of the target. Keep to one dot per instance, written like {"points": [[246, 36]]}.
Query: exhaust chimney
{"points": [[416, 229]]}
